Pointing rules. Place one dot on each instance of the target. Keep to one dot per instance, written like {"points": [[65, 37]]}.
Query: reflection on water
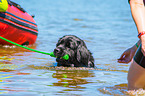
{"points": [[67, 76], [52, 81], [8, 67], [72, 78], [10, 54], [6, 80]]}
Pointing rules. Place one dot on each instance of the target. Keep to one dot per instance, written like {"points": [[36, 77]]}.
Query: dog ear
{"points": [[83, 55]]}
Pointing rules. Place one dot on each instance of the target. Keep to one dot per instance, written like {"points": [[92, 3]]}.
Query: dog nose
{"points": [[57, 50]]}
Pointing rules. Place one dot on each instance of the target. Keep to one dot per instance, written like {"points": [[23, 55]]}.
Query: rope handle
{"points": [[66, 57]]}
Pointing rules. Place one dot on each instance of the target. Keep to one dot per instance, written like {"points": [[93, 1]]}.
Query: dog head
{"points": [[77, 51]]}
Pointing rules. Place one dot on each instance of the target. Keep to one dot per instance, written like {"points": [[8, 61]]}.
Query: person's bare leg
{"points": [[136, 76]]}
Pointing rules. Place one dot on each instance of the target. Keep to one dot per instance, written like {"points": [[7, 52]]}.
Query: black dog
{"points": [[79, 55]]}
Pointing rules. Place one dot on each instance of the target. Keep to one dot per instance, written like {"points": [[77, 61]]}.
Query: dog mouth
{"points": [[59, 55], [63, 62], [60, 52]]}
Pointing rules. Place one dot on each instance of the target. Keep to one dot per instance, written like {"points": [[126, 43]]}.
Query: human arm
{"points": [[128, 54], [138, 14]]}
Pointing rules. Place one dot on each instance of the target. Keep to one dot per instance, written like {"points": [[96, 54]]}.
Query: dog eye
{"points": [[67, 44], [78, 42]]}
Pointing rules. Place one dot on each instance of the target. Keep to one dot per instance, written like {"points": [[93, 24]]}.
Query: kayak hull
{"points": [[17, 26]]}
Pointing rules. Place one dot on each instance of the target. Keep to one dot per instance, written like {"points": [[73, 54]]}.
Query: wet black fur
{"points": [[79, 55]]}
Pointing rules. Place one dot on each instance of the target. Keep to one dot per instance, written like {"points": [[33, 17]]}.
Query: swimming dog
{"points": [[79, 55]]}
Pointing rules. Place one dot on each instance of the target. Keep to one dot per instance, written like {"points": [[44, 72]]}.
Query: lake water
{"points": [[107, 29]]}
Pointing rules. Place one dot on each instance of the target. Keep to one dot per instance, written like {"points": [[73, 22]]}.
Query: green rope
{"points": [[66, 57]]}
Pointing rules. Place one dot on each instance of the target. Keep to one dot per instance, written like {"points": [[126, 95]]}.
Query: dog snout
{"points": [[57, 50]]}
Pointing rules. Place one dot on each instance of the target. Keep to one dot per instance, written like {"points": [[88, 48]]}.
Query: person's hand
{"points": [[127, 56]]}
